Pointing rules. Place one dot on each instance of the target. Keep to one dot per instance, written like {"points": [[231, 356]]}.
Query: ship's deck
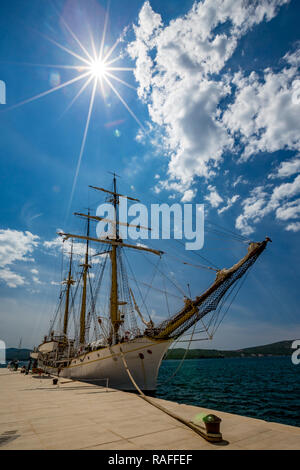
{"points": [[35, 414]]}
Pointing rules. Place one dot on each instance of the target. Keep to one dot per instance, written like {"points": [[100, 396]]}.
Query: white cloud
{"points": [[15, 246], [188, 195], [35, 277], [264, 114], [239, 180], [294, 227], [284, 191], [290, 210], [148, 23], [174, 64], [214, 198], [230, 201], [252, 207], [10, 278], [287, 168], [261, 203], [171, 186], [179, 75], [293, 58]]}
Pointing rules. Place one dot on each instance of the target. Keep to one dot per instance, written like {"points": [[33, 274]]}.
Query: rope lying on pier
{"points": [[197, 429]]}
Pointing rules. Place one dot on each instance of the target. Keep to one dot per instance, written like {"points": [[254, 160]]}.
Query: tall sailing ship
{"points": [[126, 349]]}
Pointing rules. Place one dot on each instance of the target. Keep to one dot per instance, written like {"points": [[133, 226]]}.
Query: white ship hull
{"points": [[143, 357]]}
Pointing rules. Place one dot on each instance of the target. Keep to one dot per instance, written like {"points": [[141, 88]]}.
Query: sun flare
{"points": [[98, 68]]}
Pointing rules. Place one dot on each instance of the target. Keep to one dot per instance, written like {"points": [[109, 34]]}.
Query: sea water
{"points": [[266, 388]]}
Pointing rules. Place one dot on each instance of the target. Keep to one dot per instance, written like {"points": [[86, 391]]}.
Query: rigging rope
{"points": [[102, 269], [233, 234], [138, 287], [210, 300], [182, 360], [216, 326], [76, 328], [199, 256], [93, 310], [172, 280], [156, 288], [232, 300], [127, 297], [153, 276], [200, 266], [165, 292], [56, 313], [163, 274]]}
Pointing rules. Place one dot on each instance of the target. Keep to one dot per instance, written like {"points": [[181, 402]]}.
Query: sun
{"points": [[98, 68]]}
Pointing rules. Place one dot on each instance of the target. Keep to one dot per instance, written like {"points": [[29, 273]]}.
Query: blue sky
{"points": [[214, 99]]}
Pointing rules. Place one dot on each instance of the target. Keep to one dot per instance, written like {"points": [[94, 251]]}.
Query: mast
{"points": [[85, 266], [69, 282], [114, 310], [115, 242]]}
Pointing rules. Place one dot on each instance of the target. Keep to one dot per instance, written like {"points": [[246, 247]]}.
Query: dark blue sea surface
{"points": [[266, 388]]}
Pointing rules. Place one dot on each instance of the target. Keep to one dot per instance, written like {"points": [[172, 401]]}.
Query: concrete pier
{"points": [[35, 414]]}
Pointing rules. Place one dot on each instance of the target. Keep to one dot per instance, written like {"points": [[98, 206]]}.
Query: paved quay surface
{"points": [[35, 414]]}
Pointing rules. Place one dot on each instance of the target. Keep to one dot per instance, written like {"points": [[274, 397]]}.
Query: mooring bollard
{"points": [[211, 431], [212, 424]]}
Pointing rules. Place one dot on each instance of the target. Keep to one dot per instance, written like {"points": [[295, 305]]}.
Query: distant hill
{"points": [[282, 348], [15, 353]]}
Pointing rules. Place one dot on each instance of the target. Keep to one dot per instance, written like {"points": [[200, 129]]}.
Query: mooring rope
{"points": [[189, 424]]}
